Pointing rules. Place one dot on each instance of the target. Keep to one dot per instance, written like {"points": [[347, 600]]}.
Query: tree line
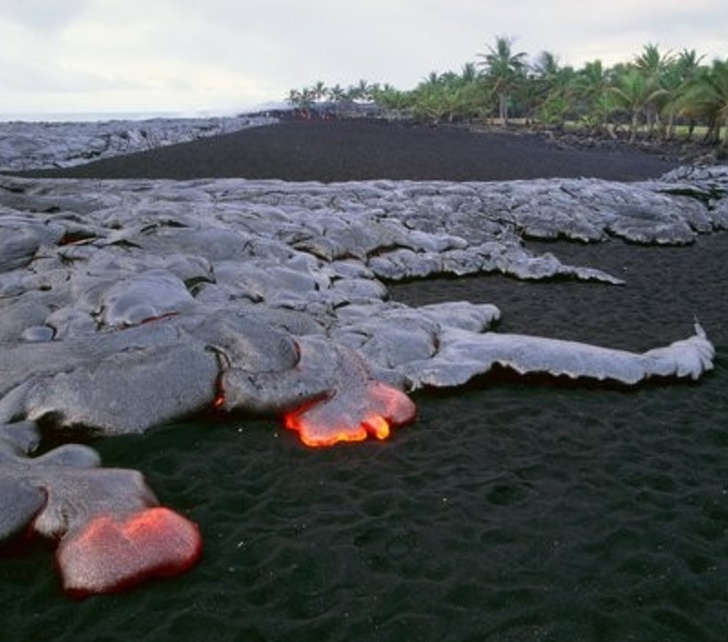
{"points": [[651, 95]]}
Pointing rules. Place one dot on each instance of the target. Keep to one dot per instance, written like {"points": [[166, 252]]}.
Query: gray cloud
{"points": [[187, 54], [43, 15]]}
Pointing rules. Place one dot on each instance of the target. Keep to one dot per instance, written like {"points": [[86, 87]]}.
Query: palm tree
{"points": [[431, 99], [469, 73], [550, 89], [337, 95], [708, 98], [472, 99], [633, 91], [544, 73], [302, 100], [675, 81], [689, 62], [432, 79], [546, 65], [449, 96], [362, 91], [593, 90], [651, 62], [593, 80], [503, 69], [652, 65], [393, 100], [294, 97], [319, 91]]}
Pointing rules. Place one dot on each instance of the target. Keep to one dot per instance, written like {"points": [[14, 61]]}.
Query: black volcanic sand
{"points": [[510, 510], [354, 150]]}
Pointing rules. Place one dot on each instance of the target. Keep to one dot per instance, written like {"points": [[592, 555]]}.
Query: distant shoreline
{"points": [[334, 150], [676, 152]]}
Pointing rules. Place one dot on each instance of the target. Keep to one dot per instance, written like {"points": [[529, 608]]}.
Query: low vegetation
{"points": [[656, 95]]}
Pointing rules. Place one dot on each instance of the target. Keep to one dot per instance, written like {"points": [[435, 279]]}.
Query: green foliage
{"points": [[504, 72], [554, 110], [655, 93], [707, 99]]}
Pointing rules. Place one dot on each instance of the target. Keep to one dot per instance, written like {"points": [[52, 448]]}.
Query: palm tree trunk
{"points": [[691, 129], [711, 136], [650, 122], [633, 126], [670, 128]]}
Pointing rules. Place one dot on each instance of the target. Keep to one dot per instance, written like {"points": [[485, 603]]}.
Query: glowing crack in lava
{"points": [[112, 553], [351, 415]]}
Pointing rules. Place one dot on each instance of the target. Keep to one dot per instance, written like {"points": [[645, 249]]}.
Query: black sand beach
{"points": [[510, 510], [355, 150]]}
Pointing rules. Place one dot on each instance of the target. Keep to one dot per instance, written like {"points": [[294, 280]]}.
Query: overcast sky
{"points": [[221, 55]]}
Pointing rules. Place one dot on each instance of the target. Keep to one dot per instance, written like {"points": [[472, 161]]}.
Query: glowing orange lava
{"points": [[219, 401], [348, 417], [110, 554], [377, 426]]}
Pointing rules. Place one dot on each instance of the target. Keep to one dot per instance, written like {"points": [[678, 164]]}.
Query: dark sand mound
{"points": [[508, 511], [354, 150]]}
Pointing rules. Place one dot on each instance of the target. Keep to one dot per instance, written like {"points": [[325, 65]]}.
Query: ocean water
{"points": [[102, 116], [85, 117], [510, 510]]}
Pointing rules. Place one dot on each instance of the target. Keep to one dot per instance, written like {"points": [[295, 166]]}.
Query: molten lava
{"points": [[219, 400], [351, 415], [110, 554]]}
